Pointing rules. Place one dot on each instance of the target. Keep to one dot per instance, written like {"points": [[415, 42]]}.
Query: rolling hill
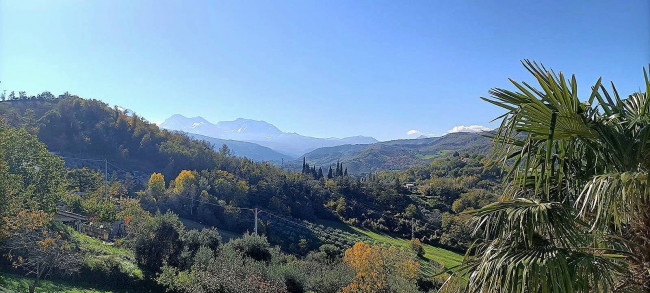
{"points": [[396, 154]]}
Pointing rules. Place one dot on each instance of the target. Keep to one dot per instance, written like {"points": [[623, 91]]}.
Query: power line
{"points": [[285, 219], [216, 204], [254, 209]]}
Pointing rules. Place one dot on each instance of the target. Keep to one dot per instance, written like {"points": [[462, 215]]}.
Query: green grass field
{"points": [[448, 258], [98, 251], [15, 283]]}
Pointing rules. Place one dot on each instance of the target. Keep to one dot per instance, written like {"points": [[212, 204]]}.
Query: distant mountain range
{"points": [[396, 154], [262, 141], [259, 132]]}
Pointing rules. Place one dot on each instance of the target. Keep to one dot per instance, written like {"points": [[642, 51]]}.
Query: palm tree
{"points": [[575, 214]]}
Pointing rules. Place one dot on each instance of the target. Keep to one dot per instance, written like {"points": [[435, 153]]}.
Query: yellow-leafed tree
{"points": [[183, 181], [156, 185], [380, 269]]}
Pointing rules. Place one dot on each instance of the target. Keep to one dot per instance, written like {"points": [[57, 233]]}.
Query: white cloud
{"points": [[157, 122], [469, 128], [413, 132]]}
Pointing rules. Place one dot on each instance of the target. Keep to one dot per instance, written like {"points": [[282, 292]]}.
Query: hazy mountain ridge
{"points": [[249, 150], [396, 154], [258, 132]]}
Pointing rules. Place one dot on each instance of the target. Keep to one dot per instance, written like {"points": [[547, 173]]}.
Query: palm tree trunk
{"points": [[641, 240]]}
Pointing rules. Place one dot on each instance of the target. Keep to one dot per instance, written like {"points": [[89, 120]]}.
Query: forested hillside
{"points": [[398, 154], [79, 127]]}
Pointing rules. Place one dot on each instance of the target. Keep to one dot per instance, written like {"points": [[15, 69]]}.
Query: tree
{"points": [[183, 181], [8, 186], [330, 173], [380, 269], [160, 243], [417, 247], [338, 169], [38, 175], [341, 207], [576, 206], [225, 151], [411, 211], [36, 248], [84, 179], [254, 246], [156, 185]]}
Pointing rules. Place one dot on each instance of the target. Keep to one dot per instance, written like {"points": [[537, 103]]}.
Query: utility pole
{"points": [[412, 228], [192, 204], [255, 221]]}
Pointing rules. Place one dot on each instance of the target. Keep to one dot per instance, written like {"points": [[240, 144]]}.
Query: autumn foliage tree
{"points": [[33, 245], [380, 269], [183, 181], [417, 247], [156, 185]]}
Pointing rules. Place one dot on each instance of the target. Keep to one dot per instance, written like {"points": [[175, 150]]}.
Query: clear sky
{"points": [[319, 68]]}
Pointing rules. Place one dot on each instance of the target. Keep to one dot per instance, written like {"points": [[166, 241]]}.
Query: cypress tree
{"points": [[336, 172], [346, 172], [330, 173]]}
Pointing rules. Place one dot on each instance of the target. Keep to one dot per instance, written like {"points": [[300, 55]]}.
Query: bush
{"points": [[253, 246], [160, 243], [417, 247]]}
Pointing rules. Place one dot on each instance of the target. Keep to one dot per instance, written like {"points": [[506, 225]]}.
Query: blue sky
{"points": [[319, 68]]}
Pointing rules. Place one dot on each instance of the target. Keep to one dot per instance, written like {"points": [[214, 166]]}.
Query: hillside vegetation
{"points": [[15, 283], [217, 189], [397, 154], [75, 126]]}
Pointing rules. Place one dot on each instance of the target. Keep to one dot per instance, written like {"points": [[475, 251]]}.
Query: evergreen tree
{"points": [[346, 172], [320, 173], [339, 169], [134, 122], [330, 173], [398, 185]]}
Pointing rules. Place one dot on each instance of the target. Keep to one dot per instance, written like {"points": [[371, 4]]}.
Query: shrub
{"points": [[417, 247], [253, 246], [160, 243]]}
